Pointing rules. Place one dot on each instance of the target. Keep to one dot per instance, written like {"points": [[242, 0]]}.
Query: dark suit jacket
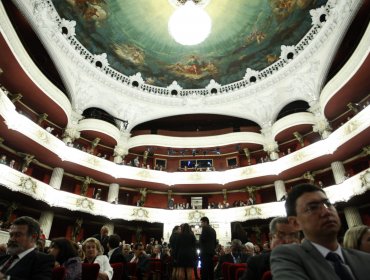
{"points": [[207, 241], [256, 266], [33, 266], [228, 258], [304, 261], [118, 257]]}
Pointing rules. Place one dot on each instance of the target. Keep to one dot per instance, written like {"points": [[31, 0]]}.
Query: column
{"points": [[353, 217], [56, 178], [71, 132], [321, 124], [46, 221], [280, 190], [113, 192], [270, 146], [338, 171], [110, 227], [121, 149]]}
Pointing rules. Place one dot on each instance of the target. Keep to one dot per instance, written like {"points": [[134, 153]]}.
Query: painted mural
{"points": [[134, 35]]}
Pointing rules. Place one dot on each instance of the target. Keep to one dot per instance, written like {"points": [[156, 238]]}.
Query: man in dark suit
{"points": [[281, 232], [236, 255], [142, 261], [115, 254], [207, 242], [23, 261], [320, 256], [103, 238]]}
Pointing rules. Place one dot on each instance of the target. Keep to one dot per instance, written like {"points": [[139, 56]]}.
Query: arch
{"points": [[297, 106]]}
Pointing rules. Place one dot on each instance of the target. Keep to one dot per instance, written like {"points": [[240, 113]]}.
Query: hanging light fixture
{"points": [[189, 24]]}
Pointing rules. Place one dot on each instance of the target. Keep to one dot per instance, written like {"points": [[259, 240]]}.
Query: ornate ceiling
{"points": [[245, 34]]}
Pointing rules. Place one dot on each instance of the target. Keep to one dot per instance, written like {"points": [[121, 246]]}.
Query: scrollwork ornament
{"points": [[85, 203], [299, 156], [251, 76], [365, 179], [43, 136], [28, 184], [195, 215], [253, 211], [140, 213]]}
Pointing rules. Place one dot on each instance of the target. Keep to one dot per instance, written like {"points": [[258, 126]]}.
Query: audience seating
{"points": [[155, 269], [232, 269], [225, 270], [58, 273], [117, 271], [131, 270], [239, 272], [90, 271], [267, 275]]}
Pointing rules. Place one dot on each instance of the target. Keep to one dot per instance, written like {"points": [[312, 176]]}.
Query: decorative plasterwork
{"points": [[28, 184], [358, 124], [11, 179]]}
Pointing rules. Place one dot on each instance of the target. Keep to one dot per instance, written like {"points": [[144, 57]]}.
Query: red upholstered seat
{"points": [[58, 273], [232, 269], [267, 275], [239, 272], [117, 271], [90, 271], [225, 270]]}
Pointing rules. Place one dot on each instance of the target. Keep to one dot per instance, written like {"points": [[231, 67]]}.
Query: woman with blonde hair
{"points": [[358, 238], [94, 254]]}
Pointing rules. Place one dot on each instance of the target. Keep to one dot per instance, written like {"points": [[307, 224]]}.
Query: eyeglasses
{"points": [[316, 206]]}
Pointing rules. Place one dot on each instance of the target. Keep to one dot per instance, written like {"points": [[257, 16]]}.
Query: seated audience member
{"points": [[94, 254], [281, 232], [157, 252], [319, 256], [23, 260], [358, 238], [142, 261], [127, 253], [115, 254], [236, 255], [66, 255]]}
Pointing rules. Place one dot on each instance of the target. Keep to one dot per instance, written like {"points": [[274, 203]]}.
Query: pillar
{"points": [[46, 221], [353, 217], [280, 190], [338, 171], [56, 178], [113, 192]]}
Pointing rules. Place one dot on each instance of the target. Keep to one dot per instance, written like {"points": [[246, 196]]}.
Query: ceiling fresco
{"points": [[135, 37]]}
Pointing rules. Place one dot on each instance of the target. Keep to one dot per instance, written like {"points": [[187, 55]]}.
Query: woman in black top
{"points": [[186, 253]]}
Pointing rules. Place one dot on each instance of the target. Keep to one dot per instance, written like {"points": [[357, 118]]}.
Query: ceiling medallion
{"points": [[190, 24]]}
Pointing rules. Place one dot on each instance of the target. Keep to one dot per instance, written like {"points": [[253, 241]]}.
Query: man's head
{"points": [[139, 249], [236, 246], [157, 249], [113, 241], [281, 232], [309, 210], [204, 221], [24, 232], [104, 231]]}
